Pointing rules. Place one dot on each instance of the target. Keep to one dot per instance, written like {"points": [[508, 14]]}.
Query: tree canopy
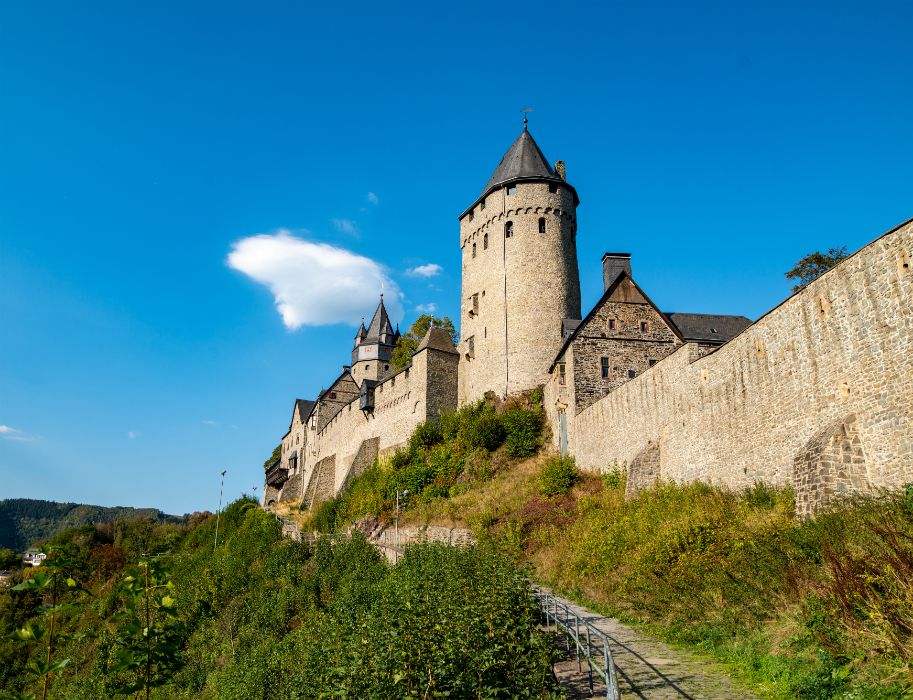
{"points": [[274, 456], [408, 342], [813, 265]]}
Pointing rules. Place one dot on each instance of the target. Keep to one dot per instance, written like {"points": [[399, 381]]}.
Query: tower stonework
{"points": [[519, 274]]}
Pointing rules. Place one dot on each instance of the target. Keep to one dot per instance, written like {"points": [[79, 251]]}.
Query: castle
{"points": [[816, 393]]}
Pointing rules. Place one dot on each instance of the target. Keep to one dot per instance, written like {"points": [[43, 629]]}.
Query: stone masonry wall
{"points": [[842, 346], [516, 291], [401, 402]]}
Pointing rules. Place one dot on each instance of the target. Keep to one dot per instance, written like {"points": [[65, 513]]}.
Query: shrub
{"points": [[523, 428], [426, 434], [324, 519], [614, 478], [557, 477]]}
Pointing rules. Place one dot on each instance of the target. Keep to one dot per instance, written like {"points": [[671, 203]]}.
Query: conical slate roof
{"points": [[437, 339], [380, 324], [362, 332], [524, 159]]}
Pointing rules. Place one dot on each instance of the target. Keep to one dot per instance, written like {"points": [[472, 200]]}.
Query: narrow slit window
{"points": [[542, 225], [613, 324], [562, 377], [511, 190], [604, 363], [482, 204], [485, 242], [508, 229], [644, 327], [473, 250]]}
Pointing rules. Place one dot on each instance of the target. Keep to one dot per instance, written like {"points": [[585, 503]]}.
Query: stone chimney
{"points": [[560, 170], [613, 264]]}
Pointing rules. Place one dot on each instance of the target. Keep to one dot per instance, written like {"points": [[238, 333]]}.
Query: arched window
{"points": [[508, 229], [473, 250], [542, 225], [485, 242]]}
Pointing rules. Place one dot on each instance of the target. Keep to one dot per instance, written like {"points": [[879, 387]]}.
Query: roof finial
{"points": [[526, 111]]}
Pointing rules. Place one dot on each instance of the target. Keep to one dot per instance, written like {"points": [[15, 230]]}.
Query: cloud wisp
{"points": [[373, 198], [132, 434], [346, 226], [429, 308], [9, 433], [429, 270], [315, 284]]}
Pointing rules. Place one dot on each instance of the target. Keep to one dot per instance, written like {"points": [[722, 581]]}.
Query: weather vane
{"points": [[526, 111]]}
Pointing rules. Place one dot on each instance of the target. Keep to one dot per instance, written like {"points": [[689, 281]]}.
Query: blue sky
{"points": [[142, 143]]}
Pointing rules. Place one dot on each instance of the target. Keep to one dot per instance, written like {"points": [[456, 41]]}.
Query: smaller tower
{"points": [[374, 346]]}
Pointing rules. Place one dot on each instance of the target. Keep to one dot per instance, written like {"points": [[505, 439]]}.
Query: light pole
{"points": [[403, 493], [219, 512]]}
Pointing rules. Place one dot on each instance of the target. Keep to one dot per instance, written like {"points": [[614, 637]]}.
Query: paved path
{"points": [[646, 668]]}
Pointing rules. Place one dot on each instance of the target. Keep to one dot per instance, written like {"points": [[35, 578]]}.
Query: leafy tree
{"points": [[8, 559], [813, 265], [149, 635], [408, 342], [60, 592], [273, 457]]}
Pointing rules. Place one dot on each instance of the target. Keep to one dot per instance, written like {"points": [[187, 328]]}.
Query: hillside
{"points": [[24, 521], [795, 608], [266, 617]]}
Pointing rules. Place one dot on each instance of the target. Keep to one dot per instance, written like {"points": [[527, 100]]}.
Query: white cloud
{"points": [[429, 270], [426, 308], [315, 284], [346, 226], [373, 198], [133, 434], [9, 433], [6, 430], [209, 422]]}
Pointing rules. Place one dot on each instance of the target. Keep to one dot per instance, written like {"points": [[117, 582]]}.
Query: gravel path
{"points": [[646, 668]]}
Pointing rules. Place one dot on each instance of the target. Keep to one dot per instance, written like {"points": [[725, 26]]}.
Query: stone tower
{"points": [[374, 346], [520, 278]]}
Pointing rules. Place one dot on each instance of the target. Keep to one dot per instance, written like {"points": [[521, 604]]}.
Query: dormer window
{"points": [[511, 190], [508, 229], [541, 225]]}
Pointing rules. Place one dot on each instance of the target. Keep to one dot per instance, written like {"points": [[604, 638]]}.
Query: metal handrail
{"points": [[589, 642]]}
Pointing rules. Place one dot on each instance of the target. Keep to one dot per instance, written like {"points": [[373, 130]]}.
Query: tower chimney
{"points": [[560, 170], [613, 264]]}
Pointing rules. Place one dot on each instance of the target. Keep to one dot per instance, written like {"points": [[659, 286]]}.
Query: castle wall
{"points": [[352, 439], [517, 290], [839, 353]]}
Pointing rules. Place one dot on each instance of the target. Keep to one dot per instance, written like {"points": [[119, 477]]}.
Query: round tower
{"points": [[520, 278]]}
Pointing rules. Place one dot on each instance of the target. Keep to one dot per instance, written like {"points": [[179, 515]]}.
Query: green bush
{"points": [[523, 426], [614, 477], [557, 477], [425, 435], [324, 519]]}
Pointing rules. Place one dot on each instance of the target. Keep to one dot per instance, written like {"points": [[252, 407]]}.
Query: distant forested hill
{"points": [[24, 521]]}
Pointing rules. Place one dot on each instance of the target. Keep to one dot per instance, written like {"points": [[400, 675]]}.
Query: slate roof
{"points": [[362, 331], [380, 324], [712, 328], [305, 406], [568, 326], [437, 339], [524, 161]]}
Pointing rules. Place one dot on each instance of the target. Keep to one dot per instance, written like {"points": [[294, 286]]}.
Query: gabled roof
{"points": [[714, 328], [523, 162], [304, 407], [362, 331], [608, 292], [380, 324], [436, 339]]}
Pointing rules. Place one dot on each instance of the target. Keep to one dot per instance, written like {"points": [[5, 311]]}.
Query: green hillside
{"points": [[25, 521]]}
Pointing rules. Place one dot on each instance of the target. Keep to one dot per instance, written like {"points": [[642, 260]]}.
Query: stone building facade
{"points": [[815, 394]]}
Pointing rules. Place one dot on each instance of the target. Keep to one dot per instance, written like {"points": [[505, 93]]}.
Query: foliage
{"points": [[276, 454], [55, 586], [813, 265], [271, 618], [523, 427], [26, 521], [408, 342], [557, 477], [148, 634], [9, 559]]}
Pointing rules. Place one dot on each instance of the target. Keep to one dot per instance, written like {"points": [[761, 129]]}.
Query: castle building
{"points": [[814, 394], [519, 273]]}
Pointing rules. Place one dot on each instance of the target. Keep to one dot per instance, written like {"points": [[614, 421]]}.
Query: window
{"points": [[474, 305], [644, 327], [472, 215], [604, 362], [632, 373], [482, 204], [332, 394], [470, 347], [473, 250], [313, 422], [652, 362], [552, 187], [386, 367], [511, 190], [562, 377], [508, 229], [485, 242], [613, 324], [541, 225]]}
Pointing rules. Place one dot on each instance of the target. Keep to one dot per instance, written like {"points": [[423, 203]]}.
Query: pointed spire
{"points": [[362, 332], [380, 330], [524, 159]]}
